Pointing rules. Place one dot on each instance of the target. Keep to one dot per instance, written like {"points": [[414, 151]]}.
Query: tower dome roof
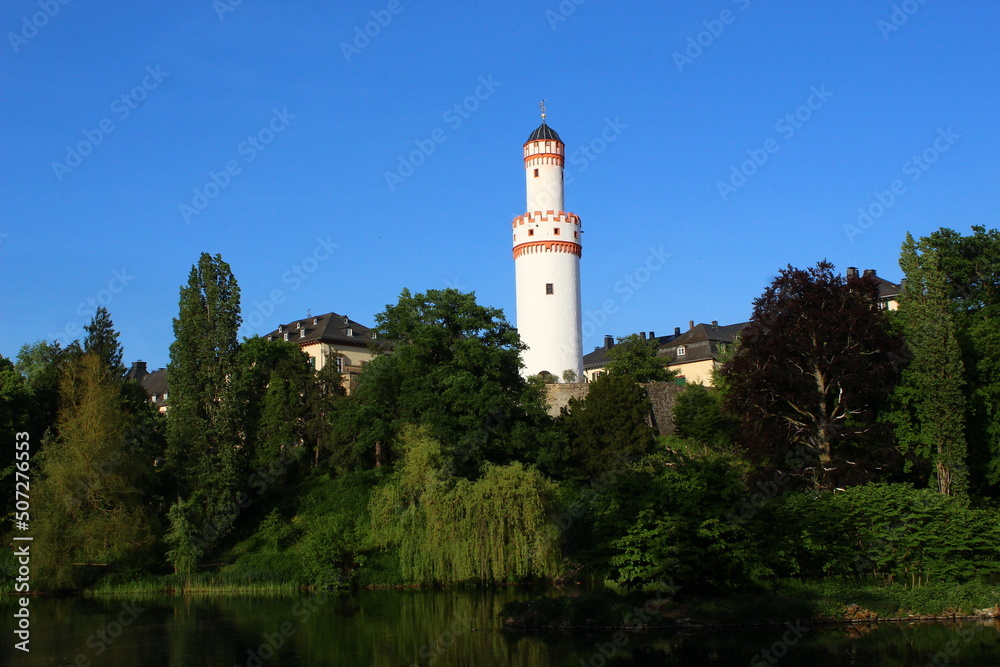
{"points": [[544, 132]]}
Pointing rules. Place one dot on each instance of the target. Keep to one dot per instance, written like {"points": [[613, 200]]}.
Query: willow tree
{"points": [[92, 504], [448, 529], [929, 403]]}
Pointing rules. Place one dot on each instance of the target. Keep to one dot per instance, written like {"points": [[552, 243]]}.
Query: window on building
{"points": [[340, 364], [531, 232], [556, 231], [549, 289], [536, 173], [681, 351]]}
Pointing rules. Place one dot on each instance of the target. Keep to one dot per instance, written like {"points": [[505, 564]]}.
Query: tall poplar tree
{"points": [[202, 433], [929, 403]]}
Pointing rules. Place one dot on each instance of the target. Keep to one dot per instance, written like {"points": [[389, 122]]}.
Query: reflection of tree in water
{"points": [[434, 627]]}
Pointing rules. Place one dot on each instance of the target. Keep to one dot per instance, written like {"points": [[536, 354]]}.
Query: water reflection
{"points": [[443, 628]]}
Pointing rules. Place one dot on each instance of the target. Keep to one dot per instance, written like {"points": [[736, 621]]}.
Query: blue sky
{"points": [[277, 123]]}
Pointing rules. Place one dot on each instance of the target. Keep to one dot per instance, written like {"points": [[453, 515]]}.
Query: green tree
{"points": [[92, 504], [636, 357], [203, 436], [699, 415], [971, 266], [609, 427], [929, 405], [448, 529], [811, 372], [41, 363], [454, 367], [102, 340]]}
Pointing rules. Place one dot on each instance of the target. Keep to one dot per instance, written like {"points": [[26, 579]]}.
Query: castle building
{"points": [[547, 251]]}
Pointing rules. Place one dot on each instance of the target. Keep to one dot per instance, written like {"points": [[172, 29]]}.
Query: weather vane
{"points": [[542, 105]]}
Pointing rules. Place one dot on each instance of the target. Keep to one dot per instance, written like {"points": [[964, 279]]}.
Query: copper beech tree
{"points": [[810, 373]]}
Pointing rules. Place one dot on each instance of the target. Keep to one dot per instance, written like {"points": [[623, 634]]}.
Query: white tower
{"points": [[547, 263]]}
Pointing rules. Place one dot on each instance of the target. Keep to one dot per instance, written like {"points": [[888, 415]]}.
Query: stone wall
{"points": [[662, 396], [558, 395]]}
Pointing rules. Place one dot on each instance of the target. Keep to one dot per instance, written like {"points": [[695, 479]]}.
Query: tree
{"points": [[448, 529], [41, 363], [971, 268], [929, 405], [810, 372], [636, 357], [202, 430], [699, 415], [454, 367], [102, 340], [92, 504], [609, 427]]}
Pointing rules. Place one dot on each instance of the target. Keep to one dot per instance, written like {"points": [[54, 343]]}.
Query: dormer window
{"points": [[681, 351], [287, 335], [350, 332], [281, 328], [315, 321]]}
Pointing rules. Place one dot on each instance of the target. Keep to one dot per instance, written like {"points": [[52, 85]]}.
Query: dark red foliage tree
{"points": [[810, 374]]}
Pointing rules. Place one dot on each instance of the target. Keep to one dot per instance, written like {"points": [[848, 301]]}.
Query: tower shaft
{"points": [[547, 251]]}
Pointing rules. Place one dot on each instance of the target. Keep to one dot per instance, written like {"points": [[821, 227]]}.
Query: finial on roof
{"points": [[542, 105], [309, 312]]}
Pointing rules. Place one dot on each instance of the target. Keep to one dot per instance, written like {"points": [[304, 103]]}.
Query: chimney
{"points": [[652, 335], [642, 335], [138, 370], [609, 342], [677, 331], [902, 284], [869, 272], [715, 324], [690, 324], [852, 272]]}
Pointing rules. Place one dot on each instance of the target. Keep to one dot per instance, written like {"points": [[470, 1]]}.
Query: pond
{"points": [[442, 628]]}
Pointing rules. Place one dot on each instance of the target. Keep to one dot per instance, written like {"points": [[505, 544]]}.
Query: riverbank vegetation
{"points": [[847, 455]]}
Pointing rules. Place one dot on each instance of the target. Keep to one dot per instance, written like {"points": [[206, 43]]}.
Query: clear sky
{"points": [[136, 135]]}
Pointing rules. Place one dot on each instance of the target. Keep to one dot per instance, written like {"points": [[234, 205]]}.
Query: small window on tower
{"points": [[576, 235], [531, 232], [536, 173], [556, 231], [548, 288]]}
